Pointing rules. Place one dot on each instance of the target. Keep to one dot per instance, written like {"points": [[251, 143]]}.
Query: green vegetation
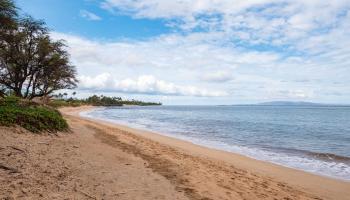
{"points": [[8, 13], [116, 101], [57, 103], [33, 117], [97, 101], [32, 65]]}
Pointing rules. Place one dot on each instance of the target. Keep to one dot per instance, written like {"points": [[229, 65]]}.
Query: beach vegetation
{"points": [[32, 65], [31, 116]]}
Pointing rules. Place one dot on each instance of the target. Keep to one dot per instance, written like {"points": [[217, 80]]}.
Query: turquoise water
{"points": [[310, 138]]}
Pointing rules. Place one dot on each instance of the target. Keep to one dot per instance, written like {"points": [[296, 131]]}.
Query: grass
{"points": [[33, 117]]}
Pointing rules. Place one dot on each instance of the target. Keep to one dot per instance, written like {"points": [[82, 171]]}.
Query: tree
{"points": [[18, 59], [31, 64], [2, 91], [53, 72], [8, 13], [65, 94]]}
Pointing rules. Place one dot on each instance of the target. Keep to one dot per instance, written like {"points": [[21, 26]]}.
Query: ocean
{"points": [[310, 138]]}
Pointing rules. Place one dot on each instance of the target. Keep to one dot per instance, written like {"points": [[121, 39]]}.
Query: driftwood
{"points": [[43, 143], [18, 149], [86, 194]]}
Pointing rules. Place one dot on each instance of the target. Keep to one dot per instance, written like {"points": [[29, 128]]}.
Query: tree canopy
{"points": [[8, 12], [31, 63]]}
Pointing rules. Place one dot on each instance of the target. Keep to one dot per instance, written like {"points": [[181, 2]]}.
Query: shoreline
{"points": [[214, 146], [325, 186]]}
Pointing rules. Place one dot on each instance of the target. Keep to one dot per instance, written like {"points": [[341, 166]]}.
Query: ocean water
{"points": [[311, 138]]}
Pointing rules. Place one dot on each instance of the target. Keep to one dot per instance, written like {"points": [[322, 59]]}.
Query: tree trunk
{"points": [[18, 92], [2, 94]]}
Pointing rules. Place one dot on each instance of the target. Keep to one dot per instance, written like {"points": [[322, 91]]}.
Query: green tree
{"points": [[31, 64], [8, 14]]}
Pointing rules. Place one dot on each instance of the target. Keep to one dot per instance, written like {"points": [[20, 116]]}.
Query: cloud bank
{"points": [[145, 84]]}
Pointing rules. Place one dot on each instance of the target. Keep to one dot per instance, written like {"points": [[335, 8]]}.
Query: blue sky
{"points": [[66, 16], [205, 51]]}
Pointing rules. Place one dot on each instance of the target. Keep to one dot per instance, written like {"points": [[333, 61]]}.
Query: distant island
{"points": [[298, 103], [285, 103], [290, 103]]}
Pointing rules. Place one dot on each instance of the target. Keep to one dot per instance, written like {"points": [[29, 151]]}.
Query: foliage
{"points": [[34, 118], [56, 103], [95, 100], [8, 13], [10, 100], [31, 64], [104, 101], [115, 101]]}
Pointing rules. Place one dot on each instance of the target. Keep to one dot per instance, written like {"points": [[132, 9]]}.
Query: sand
{"points": [[99, 160]]}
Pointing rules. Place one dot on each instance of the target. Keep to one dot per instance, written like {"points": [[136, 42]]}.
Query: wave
{"points": [[328, 157], [326, 164]]}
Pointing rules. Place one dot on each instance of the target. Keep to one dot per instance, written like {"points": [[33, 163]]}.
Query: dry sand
{"points": [[98, 160]]}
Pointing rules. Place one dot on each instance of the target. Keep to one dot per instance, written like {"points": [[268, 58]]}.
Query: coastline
{"points": [[323, 187], [324, 161]]}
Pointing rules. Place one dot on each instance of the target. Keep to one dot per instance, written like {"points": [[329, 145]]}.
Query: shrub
{"points": [[57, 103], [34, 118], [11, 101]]}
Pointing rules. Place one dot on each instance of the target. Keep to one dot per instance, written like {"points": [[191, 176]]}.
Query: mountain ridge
{"points": [[291, 103]]}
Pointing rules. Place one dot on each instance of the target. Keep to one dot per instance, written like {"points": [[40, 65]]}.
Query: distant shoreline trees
{"points": [[95, 100], [31, 63], [116, 101]]}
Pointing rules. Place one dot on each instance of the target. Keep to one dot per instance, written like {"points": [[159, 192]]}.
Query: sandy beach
{"points": [[100, 160]]}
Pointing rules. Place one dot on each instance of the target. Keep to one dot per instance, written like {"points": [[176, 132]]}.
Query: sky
{"points": [[205, 52]]}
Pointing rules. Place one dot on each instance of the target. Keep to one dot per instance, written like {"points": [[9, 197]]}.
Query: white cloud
{"points": [[146, 84], [98, 82], [89, 15], [269, 22], [252, 49], [179, 60], [181, 8], [217, 76], [168, 52]]}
